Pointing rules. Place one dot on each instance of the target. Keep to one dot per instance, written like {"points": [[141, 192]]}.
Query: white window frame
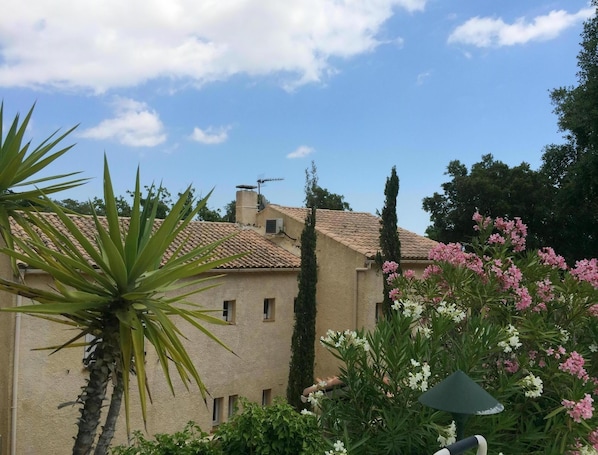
{"points": [[217, 411], [229, 311], [269, 309], [266, 397]]}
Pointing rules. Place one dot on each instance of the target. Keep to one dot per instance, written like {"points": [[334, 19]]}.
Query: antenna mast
{"points": [[260, 182]]}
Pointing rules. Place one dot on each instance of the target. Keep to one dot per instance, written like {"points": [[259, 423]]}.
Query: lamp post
{"points": [[462, 397]]}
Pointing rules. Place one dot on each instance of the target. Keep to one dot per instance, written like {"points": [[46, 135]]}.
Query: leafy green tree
{"points": [[573, 166], [301, 370], [390, 244], [230, 212], [96, 204], [266, 430], [20, 191], [321, 198], [494, 189], [120, 297]]}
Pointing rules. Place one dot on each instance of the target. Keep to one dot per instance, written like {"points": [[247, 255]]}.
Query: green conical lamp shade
{"points": [[459, 394]]}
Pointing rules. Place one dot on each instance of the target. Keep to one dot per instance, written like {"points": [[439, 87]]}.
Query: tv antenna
{"points": [[260, 182]]}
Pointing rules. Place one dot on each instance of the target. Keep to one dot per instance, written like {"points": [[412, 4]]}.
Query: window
{"points": [[217, 411], [379, 311], [268, 309], [232, 404], [228, 311], [266, 397]]}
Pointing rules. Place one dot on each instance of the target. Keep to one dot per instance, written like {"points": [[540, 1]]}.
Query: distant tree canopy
{"points": [[494, 189], [559, 202], [572, 168], [124, 206], [321, 198]]}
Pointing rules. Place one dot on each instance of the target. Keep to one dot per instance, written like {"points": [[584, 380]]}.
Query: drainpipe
{"points": [[356, 295], [15, 379]]}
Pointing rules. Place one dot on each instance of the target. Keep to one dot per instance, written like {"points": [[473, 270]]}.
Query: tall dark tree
{"points": [[301, 369], [321, 198], [494, 189], [390, 244], [573, 167]]}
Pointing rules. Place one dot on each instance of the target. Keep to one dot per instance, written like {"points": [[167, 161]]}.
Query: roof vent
{"points": [[274, 226]]}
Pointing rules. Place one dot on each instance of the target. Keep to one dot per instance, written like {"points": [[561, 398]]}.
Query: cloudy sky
{"points": [[218, 93]]}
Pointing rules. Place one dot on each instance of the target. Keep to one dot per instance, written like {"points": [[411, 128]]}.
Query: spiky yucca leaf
{"points": [[17, 167], [122, 275]]}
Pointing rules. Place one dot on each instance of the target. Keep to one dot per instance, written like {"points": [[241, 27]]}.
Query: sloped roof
{"points": [[360, 231], [261, 253]]}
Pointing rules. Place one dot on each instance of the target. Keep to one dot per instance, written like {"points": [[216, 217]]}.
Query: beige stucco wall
{"points": [[7, 327], [261, 362], [349, 285]]}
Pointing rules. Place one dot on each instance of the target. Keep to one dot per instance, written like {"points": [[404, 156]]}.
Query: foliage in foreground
{"points": [[257, 430], [524, 326]]}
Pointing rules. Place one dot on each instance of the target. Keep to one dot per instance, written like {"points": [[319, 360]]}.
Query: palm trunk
{"points": [[110, 424], [92, 397]]}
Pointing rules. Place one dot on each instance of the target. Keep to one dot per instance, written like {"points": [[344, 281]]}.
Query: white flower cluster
{"points": [[408, 308], [305, 412], [587, 450], [593, 347], [418, 379], [447, 435], [344, 339], [532, 385], [339, 449], [314, 398], [512, 342], [423, 330], [451, 311]]}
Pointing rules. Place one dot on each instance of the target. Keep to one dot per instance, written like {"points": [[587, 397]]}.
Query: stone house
{"points": [[255, 295]]}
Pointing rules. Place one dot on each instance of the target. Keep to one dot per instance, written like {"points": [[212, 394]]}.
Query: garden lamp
{"points": [[462, 397]]}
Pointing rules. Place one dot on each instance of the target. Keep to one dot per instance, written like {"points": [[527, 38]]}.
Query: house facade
{"points": [[255, 296], [349, 290]]}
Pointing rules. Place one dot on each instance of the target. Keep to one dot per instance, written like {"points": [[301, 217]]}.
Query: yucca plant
{"points": [[19, 190], [117, 288]]}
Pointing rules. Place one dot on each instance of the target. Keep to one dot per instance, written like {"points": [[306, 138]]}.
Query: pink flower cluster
{"points": [[482, 222], [550, 258], [575, 366], [514, 230], [390, 267], [586, 270], [452, 253], [581, 409]]}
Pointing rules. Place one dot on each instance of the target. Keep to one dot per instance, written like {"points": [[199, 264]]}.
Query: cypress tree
{"points": [[390, 244], [301, 369]]}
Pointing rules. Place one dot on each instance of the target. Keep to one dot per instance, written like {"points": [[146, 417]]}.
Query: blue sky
{"points": [[222, 93]]}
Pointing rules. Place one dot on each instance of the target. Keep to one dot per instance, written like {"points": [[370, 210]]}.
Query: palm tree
{"points": [[19, 192], [115, 287]]}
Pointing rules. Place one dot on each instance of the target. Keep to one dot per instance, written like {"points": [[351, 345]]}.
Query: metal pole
{"points": [[466, 444]]}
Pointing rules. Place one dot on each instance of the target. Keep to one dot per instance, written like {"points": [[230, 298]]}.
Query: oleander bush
{"points": [[522, 324]]}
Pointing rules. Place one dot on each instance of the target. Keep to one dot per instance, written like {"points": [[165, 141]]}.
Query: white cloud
{"points": [[134, 124], [101, 45], [301, 152], [494, 32], [423, 77], [210, 135]]}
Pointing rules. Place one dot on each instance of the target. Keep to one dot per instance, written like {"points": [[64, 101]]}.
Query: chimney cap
{"points": [[246, 187]]}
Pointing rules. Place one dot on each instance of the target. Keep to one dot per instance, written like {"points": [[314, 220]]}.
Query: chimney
{"points": [[246, 205]]}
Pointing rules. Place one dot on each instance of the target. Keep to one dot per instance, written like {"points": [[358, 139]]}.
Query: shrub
{"points": [[521, 324], [277, 429], [190, 441]]}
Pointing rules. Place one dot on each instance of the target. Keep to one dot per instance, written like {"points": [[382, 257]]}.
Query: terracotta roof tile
{"points": [[261, 253], [360, 231]]}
